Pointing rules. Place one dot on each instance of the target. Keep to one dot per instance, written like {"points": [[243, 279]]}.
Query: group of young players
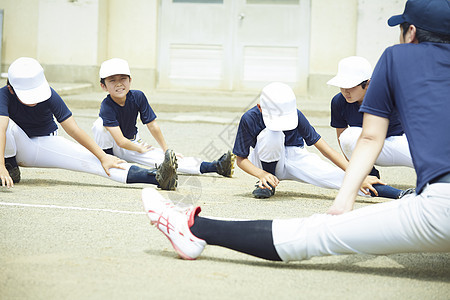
{"points": [[28, 132], [395, 116]]}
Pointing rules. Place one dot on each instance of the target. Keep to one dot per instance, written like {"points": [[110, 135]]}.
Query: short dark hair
{"points": [[364, 84], [423, 35], [102, 80], [9, 84]]}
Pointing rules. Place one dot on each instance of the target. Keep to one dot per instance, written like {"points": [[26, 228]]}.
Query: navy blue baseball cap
{"points": [[430, 15]]}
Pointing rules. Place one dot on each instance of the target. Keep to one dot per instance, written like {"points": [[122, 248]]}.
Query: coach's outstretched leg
{"points": [[317, 235]]}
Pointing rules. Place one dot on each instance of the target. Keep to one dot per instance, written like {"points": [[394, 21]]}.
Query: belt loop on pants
{"points": [[445, 178]]}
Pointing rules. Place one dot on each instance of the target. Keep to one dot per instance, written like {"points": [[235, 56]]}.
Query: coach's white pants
{"points": [[415, 223], [294, 163], [395, 151], [104, 139], [55, 152]]}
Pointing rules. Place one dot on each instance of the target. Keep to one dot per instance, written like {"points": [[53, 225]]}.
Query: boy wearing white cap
{"points": [[353, 78], [28, 134], [270, 146], [116, 133]]}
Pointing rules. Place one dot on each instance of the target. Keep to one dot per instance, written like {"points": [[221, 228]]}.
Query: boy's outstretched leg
{"points": [[164, 176], [223, 166], [166, 173]]}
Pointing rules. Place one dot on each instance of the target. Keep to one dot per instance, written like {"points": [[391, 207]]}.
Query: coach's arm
{"points": [[367, 149]]}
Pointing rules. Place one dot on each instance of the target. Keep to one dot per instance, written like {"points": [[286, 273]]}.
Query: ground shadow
{"points": [[414, 265], [287, 195], [55, 182]]}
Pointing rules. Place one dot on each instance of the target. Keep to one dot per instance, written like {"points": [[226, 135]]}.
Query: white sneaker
{"points": [[174, 222]]}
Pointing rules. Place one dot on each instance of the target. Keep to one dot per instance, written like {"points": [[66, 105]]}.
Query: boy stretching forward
{"points": [[270, 145], [116, 132]]}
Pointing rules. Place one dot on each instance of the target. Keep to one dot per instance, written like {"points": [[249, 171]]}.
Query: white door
{"points": [[233, 44]]}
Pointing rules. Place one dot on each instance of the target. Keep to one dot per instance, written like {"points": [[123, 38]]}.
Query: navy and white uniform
{"points": [[395, 151], [112, 115], [413, 80], [32, 138], [255, 141]]}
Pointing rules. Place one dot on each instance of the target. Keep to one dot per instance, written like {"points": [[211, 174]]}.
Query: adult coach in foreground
{"points": [[413, 78]]}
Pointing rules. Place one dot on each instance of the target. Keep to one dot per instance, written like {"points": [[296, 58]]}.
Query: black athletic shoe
{"points": [[13, 169], [225, 164], [166, 173], [263, 193], [406, 192]]}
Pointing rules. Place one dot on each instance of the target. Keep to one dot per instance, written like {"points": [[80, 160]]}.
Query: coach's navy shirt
{"points": [[252, 124], [414, 79], [125, 116], [34, 120], [345, 114]]}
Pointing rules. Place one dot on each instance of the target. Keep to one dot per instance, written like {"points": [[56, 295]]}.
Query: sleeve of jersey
{"points": [[4, 103], [378, 100], [308, 132], [145, 110], [59, 108], [336, 114], [243, 140]]}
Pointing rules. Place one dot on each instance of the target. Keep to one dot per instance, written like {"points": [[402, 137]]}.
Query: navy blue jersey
{"points": [[252, 124], [414, 79], [125, 116], [34, 120], [344, 114]]}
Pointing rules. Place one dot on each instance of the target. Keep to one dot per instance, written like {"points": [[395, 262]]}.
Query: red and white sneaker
{"points": [[174, 222]]}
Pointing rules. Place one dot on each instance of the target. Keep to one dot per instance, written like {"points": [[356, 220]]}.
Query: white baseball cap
{"points": [[114, 66], [27, 78], [351, 71], [278, 107]]}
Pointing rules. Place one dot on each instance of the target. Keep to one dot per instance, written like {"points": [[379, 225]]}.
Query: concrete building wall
{"points": [[20, 29], [72, 37], [133, 35], [333, 36]]}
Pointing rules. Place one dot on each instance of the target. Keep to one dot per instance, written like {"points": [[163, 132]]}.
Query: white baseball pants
{"points": [[55, 152], [188, 165], [395, 151], [294, 163], [415, 223]]}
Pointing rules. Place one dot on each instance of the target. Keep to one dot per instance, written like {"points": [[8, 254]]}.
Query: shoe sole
{"points": [[230, 164], [14, 173], [171, 160], [153, 194], [261, 197], [177, 250]]}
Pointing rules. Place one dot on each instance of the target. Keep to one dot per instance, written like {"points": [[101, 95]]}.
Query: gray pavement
{"points": [[68, 235]]}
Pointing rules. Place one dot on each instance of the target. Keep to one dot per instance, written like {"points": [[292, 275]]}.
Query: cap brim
{"points": [[34, 96], [281, 123], [396, 20], [345, 83]]}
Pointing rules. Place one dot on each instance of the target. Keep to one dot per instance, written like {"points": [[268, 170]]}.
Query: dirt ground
{"points": [[68, 235]]}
